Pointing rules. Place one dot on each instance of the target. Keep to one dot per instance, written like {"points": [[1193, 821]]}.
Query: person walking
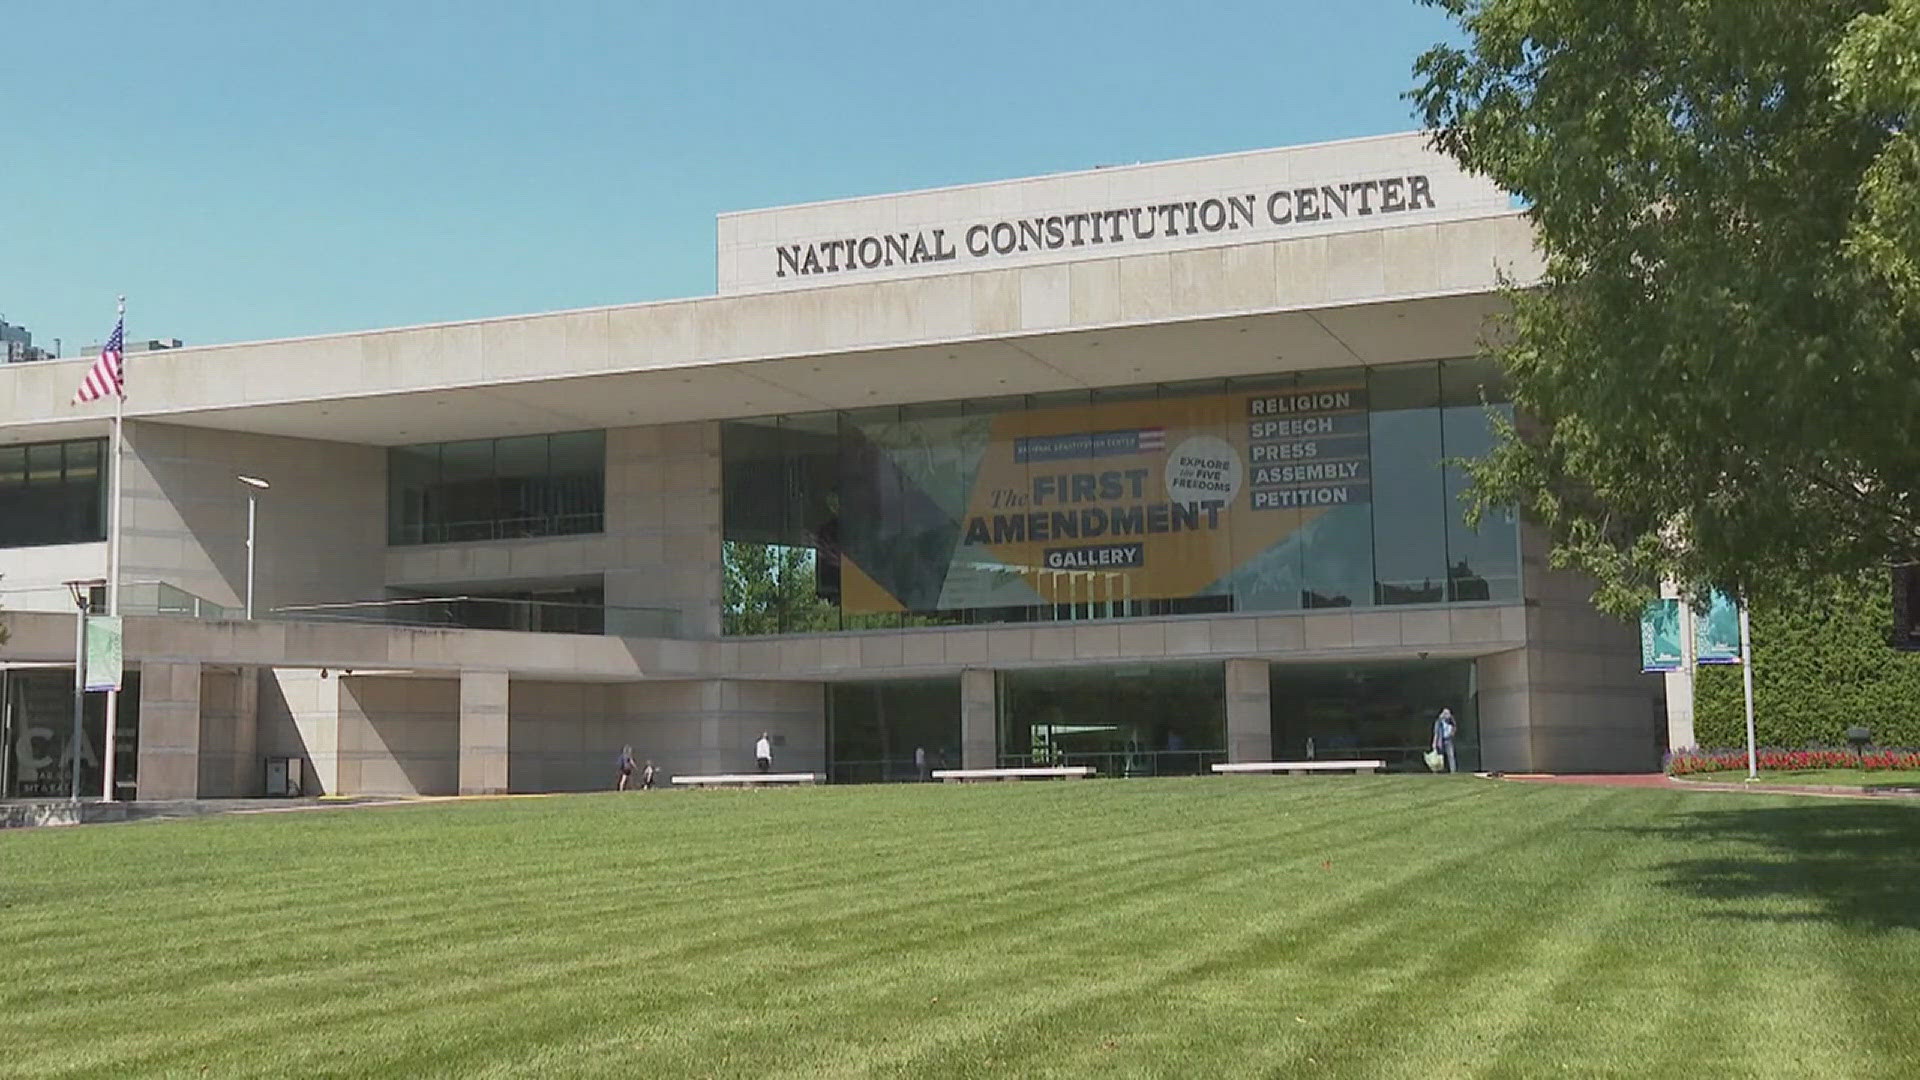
{"points": [[763, 753], [646, 777], [920, 764], [626, 768], [1443, 732]]}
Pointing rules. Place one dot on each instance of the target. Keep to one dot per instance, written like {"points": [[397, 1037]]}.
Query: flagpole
{"points": [[113, 556]]}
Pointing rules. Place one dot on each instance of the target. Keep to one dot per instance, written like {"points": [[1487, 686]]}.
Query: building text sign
{"points": [[1105, 213], [987, 240]]}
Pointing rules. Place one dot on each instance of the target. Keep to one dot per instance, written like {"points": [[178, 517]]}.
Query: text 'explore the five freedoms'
{"points": [[1117, 225]]}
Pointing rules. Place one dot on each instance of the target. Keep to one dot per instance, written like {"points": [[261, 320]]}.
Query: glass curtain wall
{"points": [[1328, 489], [497, 489], [36, 732], [898, 730], [1379, 710], [1125, 720]]}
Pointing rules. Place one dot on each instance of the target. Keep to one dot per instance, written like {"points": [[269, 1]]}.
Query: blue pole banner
{"points": [[1716, 634], [1660, 636]]}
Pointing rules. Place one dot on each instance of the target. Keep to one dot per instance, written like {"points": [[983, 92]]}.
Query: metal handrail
{"points": [[1125, 762], [614, 620]]}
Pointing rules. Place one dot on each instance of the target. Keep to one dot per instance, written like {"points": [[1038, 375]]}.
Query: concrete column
{"points": [[1249, 711], [1679, 684], [979, 719], [230, 765], [169, 731], [1505, 699], [483, 732], [249, 768], [299, 716]]}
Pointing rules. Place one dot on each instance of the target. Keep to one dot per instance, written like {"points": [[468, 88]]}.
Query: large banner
{"points": [[1125, 500]]}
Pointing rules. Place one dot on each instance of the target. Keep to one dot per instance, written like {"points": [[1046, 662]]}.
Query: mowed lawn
{"points": [[1212, 927]]}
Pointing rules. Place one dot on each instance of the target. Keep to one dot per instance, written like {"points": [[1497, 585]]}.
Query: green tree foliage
{"points": [[1722, 361], [772, 589], [1821, 665]]}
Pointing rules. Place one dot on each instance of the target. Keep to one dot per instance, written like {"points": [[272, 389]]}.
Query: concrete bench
{"points": [[1301, 768], [1058, 772], [752, 779]]}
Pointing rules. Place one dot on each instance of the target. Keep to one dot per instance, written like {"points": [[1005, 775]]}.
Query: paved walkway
{"points": [[1600, 779]]}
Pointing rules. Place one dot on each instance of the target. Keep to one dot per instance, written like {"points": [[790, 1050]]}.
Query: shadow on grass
{"points": [[1850, 863]]}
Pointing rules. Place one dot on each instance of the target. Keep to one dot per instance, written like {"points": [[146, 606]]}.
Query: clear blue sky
{"points": [[249, 169]]}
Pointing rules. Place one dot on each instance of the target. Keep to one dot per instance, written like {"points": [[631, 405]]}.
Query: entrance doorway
{"points": [[1124, 720], [1379, 709], [36, 735]]}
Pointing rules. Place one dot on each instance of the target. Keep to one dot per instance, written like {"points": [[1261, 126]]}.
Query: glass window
{"points": [[1382, 710], [1483, 563], [1473, 381], [1126, 720], [411, 472], [44, 463], [1336, 528], [1332, 492], [492, 489], [53, 493], [898, 730], [13, 469], [83, 460], [1409, 504]]}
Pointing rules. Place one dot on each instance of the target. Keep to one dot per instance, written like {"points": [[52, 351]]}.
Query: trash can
{"points": [[283, 776]]}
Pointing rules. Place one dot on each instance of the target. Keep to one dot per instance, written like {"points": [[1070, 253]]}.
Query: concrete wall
{"points": [[1589, 708], [710, 726], [299, 717], [564, 736], [660, 548], [231, 764], [30, 578], [1506, 739], [399, 736], [747, 239], [568, 736], [320, 529], [169, 731], [682, 360]]}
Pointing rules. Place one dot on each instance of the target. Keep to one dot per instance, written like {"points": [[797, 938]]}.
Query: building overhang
{"points": [[1378, 297]]}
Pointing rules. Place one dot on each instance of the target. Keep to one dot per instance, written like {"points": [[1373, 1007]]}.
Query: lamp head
{"points": [[254, 482], [82, 590]]}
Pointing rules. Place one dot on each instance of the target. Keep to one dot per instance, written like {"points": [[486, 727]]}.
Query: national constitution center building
{"points": [[1145, 468]]}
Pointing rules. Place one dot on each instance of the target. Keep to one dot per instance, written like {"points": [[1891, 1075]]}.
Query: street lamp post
{"points": [[254, 486], [82, 601]]}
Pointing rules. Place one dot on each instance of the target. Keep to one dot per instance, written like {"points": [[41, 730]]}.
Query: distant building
{"points": [[133, 346], [16, 345]]}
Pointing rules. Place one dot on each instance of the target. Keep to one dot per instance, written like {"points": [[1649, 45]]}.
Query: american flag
{"points": [[108, 374], [1153, 438]]}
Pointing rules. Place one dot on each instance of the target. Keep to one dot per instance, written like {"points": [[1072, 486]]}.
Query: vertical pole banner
{"points": [[1660, 636], [1716, 635], [103, 652]]}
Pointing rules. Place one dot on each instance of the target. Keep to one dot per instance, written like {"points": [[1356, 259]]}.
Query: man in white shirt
{"points": [[763, 753]]}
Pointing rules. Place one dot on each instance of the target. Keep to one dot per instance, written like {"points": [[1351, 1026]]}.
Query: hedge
{"points": [[1821, 665]]}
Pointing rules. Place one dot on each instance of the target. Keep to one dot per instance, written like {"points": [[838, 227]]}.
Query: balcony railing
{"points": [[160, 598], [496, 613]]}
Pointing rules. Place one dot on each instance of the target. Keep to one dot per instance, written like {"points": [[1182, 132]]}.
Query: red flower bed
{"points": [[1686, 762]]}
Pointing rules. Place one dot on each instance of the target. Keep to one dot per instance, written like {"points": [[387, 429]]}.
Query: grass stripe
{"points": [[1368, 926]]}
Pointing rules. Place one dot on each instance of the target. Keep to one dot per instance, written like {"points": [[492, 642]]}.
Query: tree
{"points": [[1720, 369], [771, 589]]}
